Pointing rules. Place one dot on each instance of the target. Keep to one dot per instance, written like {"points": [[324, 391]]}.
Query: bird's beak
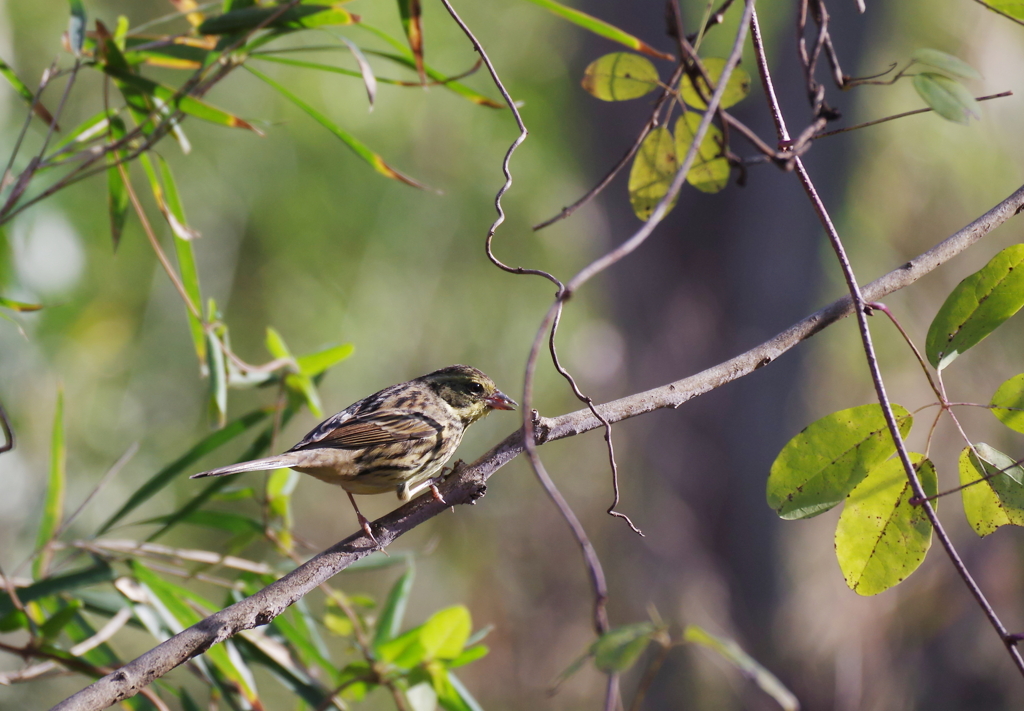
{"points": [[500, 401]]}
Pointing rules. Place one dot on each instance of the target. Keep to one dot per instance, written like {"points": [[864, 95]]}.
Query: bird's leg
{"points": [[364, 522], [437, 493]]}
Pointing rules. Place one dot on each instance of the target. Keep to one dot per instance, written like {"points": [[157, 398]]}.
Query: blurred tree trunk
{"points": [[723, 273]]}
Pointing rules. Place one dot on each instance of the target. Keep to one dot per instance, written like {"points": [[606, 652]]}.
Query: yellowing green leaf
{"points": [[881, 539], [601, 28], [620, 76], [53, 508], [735, 90], [618, 649], [995, 501], [821, 465], [977, 306], [1008, 403], [301, 16], [710, 171], [653, 169], [1013, 8]]}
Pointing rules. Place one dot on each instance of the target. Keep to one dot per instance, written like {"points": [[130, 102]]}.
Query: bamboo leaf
{"points": [[99, 572], [618, 649], [53, 507], [76, 27], [357, 147], [25, 93], [389, 621], [166, 475], [313, 364], [410, 11], [601, 28], [117, 191], [295, 18], [21, 306], [750, 667]]}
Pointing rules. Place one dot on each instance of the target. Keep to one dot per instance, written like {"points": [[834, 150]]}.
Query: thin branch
{"points": [[898, 116], [468, 483], [859, 303]]}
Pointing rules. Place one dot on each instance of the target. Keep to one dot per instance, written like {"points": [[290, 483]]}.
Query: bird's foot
{"points": [[437, 494], [364, 523]]}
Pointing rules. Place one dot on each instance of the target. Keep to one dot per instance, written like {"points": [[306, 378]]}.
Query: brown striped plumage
{"points": [[395, 440]]}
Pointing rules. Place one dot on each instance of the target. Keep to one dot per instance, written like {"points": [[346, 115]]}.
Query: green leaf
{"points": [[710, 171], [56, 623], [821, 465], [470, 703], [947, 97], [357, 147], [977, 306], [173, 598], [440, 637], [436, 76], [221, 520], [750, 667], [296, 381], [99, 572], [183, 53], [445, 633], [295, 18], [881, 539], [653, 169], [410, 11], [470, 654], [1008, 403], [25, 93], [313, 364], [946, 63], [389, 621], [736, 89], [167, 475], [117, 191], [996, 501], [76, 27], [618, 649], [601, 28], [218, 373], [19, 306], [620, 76], [53, 508], [1013, 8]]}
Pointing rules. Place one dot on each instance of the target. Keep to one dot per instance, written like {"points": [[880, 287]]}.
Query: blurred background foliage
{"points": [[298, 234]]}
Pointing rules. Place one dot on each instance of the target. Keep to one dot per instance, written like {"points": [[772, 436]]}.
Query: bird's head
{"points": [[469, 392]]}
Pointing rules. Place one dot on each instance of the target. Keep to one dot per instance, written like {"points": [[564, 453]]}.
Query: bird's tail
{"points": [[256, 465]]}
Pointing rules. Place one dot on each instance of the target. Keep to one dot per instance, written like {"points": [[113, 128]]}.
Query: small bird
{"points": [[395, 440]]}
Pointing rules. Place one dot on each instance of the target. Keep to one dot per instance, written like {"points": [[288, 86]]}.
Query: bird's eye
{"points": [[476, 388]]}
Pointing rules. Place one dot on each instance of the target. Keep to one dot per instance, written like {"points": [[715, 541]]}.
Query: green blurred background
{"points": [[300, 235]]}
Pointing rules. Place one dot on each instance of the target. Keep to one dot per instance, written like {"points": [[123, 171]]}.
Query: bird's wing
{"points": [[383, 426]]}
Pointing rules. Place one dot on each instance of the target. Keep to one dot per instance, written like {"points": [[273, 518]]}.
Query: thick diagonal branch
{"points": [[468, 483]]}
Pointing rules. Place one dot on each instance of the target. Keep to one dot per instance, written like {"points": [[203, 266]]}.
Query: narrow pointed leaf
{"points": [[736, 89], [53, 507], [117, 191], [365, 71], [389, 621], [947, 97], [99, 572], [750, 667], [994, 501], [218, 374], [186, 257], [881, 539], [19, 306], [977, 306], [651, 174], [601, 28], [313, 364], [620, 76], [167, 475], [410, 11], [821, 465], [710, 171], [1008, 403], [357, 147], [295, 18], [25, 93], [945, 63], [76, 27], [439, 78], [618, 649]]}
